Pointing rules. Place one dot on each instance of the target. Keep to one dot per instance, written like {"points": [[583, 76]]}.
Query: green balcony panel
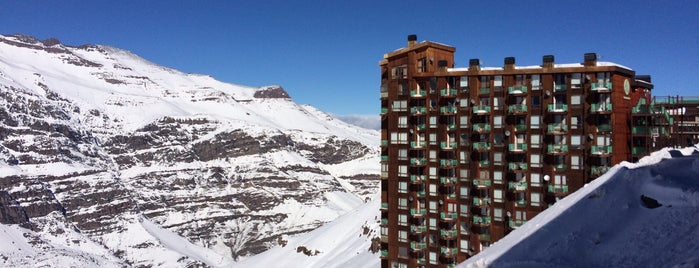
{"points": [[418, 245], [558, 107], [552, 148], [484, 90], [384, 205], [557, 128], [448, 180], [481, 220], [384, 142], [600, 107], [558, 188], [560, 88], [418, 144], [418, 212], [480, 146], [447, 145], [418, 93], [418, 161], [482, 183], [448, 215], [417, 178], [517, 108], [517, 89], [448, 92], [601, 149], [384, 110], [518, 186], [448, 109], [517, 147], [599, 86], [481, 127], [518, 166], [481, 109]]}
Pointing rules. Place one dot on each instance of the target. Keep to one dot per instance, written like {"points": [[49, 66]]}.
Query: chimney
{"points": [[548, 61], [474, 64], [412, 40], [509, 63], [644, 78], [590, 59]]}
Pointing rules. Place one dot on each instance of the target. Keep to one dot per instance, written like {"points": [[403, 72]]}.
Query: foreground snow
{"points": [[605, 224]]}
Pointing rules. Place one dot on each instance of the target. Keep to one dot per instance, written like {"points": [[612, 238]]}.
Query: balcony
{"points": [[601, 87], [558, 189], [384, 175], [447, 251], [418, 144], [448, 109], [558, 128], [482, 183], [481, 146], [481, 201], [448, 162], [598, 171], [384, 94], [451, 126], [384, 158], [483, 91], [384, 142], [420, 194], [421, 126], [418, 110], [484, 163], [517, 90], [640, 130], [517, 186], [384, 206], [448, 180], [604, 128], [518, 166], [639, 150], [481, 127], [481, 109], [560, 88], [384, 253], [641, 109], [560, 167], [601, 150], [418, 161], [384, 110], [557, 108], [418, 245], [484, 237], [418, 212], [521, 127], [448, 92], [517, 109], [481, 220], [418, 93], [418, 228], [384, 222], [448, 233], [448, 216], [557, 149], [417, 179], [516, 223], [519, 147], [521, 203], [601, 108], [448, 145]]}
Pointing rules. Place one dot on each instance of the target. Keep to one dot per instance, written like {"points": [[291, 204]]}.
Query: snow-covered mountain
{"points": [[641, 214], [139, 164]]}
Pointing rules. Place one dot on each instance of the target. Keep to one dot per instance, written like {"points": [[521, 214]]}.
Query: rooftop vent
{"points": [[509, 60]]}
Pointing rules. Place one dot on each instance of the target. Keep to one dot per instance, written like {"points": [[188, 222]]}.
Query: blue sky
{"points": [[325, 53]]}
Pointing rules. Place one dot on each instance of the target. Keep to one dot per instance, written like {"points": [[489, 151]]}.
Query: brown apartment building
{"points": [[469, 154]]}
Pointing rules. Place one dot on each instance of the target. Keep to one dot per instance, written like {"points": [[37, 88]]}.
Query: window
{"points": [[560, 179], [402, 121], [463, 121], [433, 206], [433, 189], [519, 80], [384, 231], [402, 219], [521, 215], [463, 157], [433, 138], [484, 175], [498, 104], [402, 171], [402, 203], [433, 257], [575, 81], [433, 121], [402, 236], [463, 104], [535, 160], [402, 187], [497, 177], [433, 156], [463, 244], [575, 100], [535, 179], [400, 106], [534, 121], [536, 102], [497, 158], [463, 83], [463, 211], [485, 82], [497, 121], [464, 192], [433, 224], [535, 198], [399, 72], [422, 65], [575, 122], [433, 172], [463, 173], [535, 140], [536, 82], [497, 214], [559, 81], [497, 195], [402, 154], [498, 82], [575, 162], [576, 141]]}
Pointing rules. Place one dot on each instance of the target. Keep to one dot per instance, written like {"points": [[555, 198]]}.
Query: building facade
{"points": [[470, 154]]}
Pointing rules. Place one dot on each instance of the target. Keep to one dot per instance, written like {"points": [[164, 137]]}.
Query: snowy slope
{"points": [[606, 223]]}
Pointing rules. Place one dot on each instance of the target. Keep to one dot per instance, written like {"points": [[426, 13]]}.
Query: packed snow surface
{"points": [[608, 223]]}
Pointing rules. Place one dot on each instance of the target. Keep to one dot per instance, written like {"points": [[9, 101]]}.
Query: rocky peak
{"points": [[272, 92]]}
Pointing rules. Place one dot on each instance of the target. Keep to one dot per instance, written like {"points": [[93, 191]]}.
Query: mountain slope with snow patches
{"points": [[113, 142]]}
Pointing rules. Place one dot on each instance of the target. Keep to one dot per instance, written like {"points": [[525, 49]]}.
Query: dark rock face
{"points": [[272, 93]]}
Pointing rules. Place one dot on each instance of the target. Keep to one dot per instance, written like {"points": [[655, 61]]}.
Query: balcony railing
{"points": [[521, 127], [601, 149], [384, 142], [603, 86], [384, 222], [554, 148], [418, 228], [448, 145], [418, 93], [481, 127], [448, 162], [448, 215], [418, 212], [451, 126], [518, 166], [481, 109], [640, 130], [557, 128], [558, 107], [560, 88], [484, 237], [521, 203], [604, 128], [418, 161], [517, 89], [384, 253], [484, 163], [641, 109], [484, 90], [418, 144], [448, 180], [384, 174], [558, 189], [516, 223], [448, 109], [519, 147], [418, 245], [598, 171], [560, 167], [417, 178], [517, 108], [482, 183], [517, 186], [481, 146], [384, 158], [384, 95], [481, 201], [448, 233], [481, 220], [448, 92], [384, 206], [384, 110], [639, 150], [418, 110], [600, 107]]}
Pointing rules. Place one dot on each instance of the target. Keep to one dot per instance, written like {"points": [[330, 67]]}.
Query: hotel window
{"points": [[534, 121], [433, 206], [403, 88], [575, 100], [497, 195], [497, 177], [535, 198], [498, 104], [463, 104], [433, 84], [402, 171], [521, 215], [485, 82], [559, 81], [497, 158], [497, 121], [402, 121], [535, 140], [402, 236], [463, 173], [402, 154], [402, 138], [463, 121], [575, 81], [402, 187], [484, 175], [535, 160], [575, 162], [384, 231], [402, 219], [422, 65], [433, 224], [603, 78], [560, 180], [464, 192], [535, 179], [433, 122], [394, 137], [536, 102], [400, 106], [498, 83], [463, 244], [519, 80], [433, 138], [402, 203], [433, 189], [536, 82], [433, 156], [433, 257], [497, 214], [399, 72], [463, 157], [463, 83], [575, 141], [575, 122], [463, 211], [433, 172]]}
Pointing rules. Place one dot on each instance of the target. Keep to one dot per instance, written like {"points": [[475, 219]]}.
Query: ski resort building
{"points": [[471, 153]]}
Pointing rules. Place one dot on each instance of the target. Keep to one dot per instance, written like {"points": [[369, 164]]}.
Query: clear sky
{"points": [[326, 53]]}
